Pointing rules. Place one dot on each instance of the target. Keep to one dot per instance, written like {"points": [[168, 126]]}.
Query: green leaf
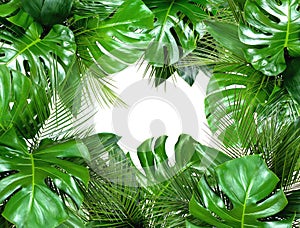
{"points": [[9, 7], [227, 35], [291, 78], [48, 12], [112, 44], [174, 26], [248, 183], [187, 153], [30, 201], [31, 53], [274, 29], [233, 94]]}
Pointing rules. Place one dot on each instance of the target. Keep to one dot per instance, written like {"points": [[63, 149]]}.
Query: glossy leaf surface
{"points": [[114, 43], [248, 183], [30, 201], [274, 28], [188, 153], [32, 54], [174, 36]]}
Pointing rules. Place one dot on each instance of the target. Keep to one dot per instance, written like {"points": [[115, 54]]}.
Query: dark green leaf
{"points": [[174, 36], [30, 201], [32, 54], [48, 12], [188, 153], [248, 192], [230, 99], [274, 29], [292, 78]]}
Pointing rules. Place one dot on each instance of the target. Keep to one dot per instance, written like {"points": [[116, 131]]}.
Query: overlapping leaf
{"points": [[157, 165], [174, 37], [30, 201], [274, 28], [112, 44], [32, 54], [248, 192]]}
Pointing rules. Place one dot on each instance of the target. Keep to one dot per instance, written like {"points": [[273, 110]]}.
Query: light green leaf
{"points": [[112, 44], [233, 94], [9, 7], [30, 201], [174, 37], [248, 183], [274, 28]]}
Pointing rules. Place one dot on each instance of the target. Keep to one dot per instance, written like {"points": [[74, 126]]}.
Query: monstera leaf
{"points": [[32, 54], [274, 28], [30, 202], [174, 36], [8, 7], [248, 183], [116, 42], [48, 12], [157, 165]]}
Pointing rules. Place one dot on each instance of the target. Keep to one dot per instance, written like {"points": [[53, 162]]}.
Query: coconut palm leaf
{"points": [[89, 8], [273, 29], [112, 205], [249, 194]]}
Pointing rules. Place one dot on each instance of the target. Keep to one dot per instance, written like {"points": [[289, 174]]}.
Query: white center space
{"points": [[150, 116]]}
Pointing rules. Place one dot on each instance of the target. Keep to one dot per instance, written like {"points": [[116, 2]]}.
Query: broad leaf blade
{"points": [[274, 28], [249, 194], [114, 43], [32, 203], [173, 36]]}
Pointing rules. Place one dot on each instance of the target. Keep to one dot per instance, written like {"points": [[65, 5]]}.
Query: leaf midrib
{"points": [[245, 203], [23, 50], [165, 20], [32, 182], [288, 26]]}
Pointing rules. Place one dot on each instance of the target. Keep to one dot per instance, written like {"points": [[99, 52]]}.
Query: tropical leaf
{"points": [[110, 45], [89, 8], [8, 7], [32, 54], [30, 202], [48, 12], [19, 101], [291, 78], [230, 102], [112, 205], [227, 35], [156, 165], [174, 37], [274, 28], [248, 193]]}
